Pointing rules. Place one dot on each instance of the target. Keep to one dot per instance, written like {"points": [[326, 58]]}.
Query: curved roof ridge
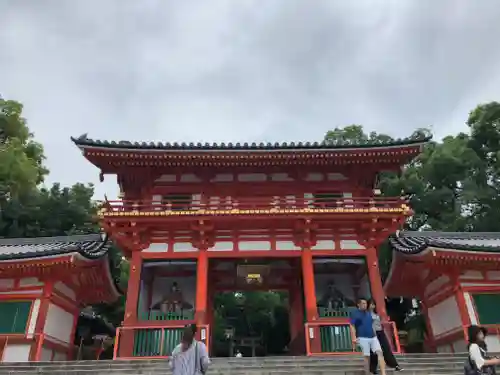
{"points": [[450, 235], [91, 246], [76, 238], [414, 242], [84, 140]]}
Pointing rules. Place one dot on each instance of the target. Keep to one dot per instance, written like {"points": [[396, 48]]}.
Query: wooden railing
{"points": [[152, 342], [237, 205], [166, 316], [345, 312], [391, 333], [331, 338]]}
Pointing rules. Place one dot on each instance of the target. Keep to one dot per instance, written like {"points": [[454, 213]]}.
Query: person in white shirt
{"points": [[478, 358], [238, 354]]}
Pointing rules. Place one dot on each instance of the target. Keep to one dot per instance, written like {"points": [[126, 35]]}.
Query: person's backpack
{"points": [[470, 367]]}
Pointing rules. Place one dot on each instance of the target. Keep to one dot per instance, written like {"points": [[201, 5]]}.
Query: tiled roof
{"points": [[415, 242], [90, 246], [83, 140]]}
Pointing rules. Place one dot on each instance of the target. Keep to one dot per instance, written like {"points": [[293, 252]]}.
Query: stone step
{"points": [[242, 364], [354, 371], [218, 364], [414, 364], [244, 361]]}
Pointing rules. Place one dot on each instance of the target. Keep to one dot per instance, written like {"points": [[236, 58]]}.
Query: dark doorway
{"points": [[254, 323]]}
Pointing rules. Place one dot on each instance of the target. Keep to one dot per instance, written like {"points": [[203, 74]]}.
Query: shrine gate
{"points": [[198, 219]]}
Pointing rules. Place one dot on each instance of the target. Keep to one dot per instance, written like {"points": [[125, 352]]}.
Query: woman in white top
{"points": [[479, 361]]}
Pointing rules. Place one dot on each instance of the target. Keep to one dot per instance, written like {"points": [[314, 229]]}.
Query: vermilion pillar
{"points": [[311, 309], [201, 287], [462, 307], [308, 283], [126, 339], [43, 309], [376, 283]]}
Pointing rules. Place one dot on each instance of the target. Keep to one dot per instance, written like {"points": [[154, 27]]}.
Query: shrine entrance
{"points": [[251, 323], [258, 307], [245, 298]]}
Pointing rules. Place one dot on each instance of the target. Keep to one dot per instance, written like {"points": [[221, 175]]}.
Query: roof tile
{"points": [[91, 246], [411, 242], [83, 140]]}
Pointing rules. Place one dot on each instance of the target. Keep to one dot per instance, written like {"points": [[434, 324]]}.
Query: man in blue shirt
{"points": [[362, 321]]}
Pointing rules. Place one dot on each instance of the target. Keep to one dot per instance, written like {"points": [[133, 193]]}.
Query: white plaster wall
{"points": [[286, 245], [65, 290], [163, 285], [254, 245], [30, 292], [16, 353], [30, 281], [493, 343], [59, 323], [35, 309], [436, 284], [157, 247], [470, 308], [476, 275], [444, 316]]}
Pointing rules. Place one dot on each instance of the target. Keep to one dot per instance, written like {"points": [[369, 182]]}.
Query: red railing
{"points": [[334, 338], [391, 333], [329, 338], [152, 342], [253, 203]]}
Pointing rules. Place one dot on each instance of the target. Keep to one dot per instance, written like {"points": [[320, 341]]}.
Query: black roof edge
{"points": [[415, 242], [83, 140], [98, 250]]}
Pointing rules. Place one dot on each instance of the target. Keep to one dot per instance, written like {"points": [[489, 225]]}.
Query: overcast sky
{"points": [[242, 70]]}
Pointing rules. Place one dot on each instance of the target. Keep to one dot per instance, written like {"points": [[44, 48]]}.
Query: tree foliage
{"points": [[29, 209], [252, 314], [454, 185]]}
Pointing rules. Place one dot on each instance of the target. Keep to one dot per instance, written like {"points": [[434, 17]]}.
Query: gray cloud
{"points": [[226, 70]]}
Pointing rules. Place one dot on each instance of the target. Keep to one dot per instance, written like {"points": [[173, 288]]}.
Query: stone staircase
{"points": [[413, 364]]}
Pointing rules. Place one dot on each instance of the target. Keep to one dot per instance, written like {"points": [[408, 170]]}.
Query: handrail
{"points": [[390, 328], [253, 203]]}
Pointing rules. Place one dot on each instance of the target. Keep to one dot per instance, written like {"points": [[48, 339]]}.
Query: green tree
{"points": [[252, 314], [30, 210], [483, 186], [21, 158]]}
